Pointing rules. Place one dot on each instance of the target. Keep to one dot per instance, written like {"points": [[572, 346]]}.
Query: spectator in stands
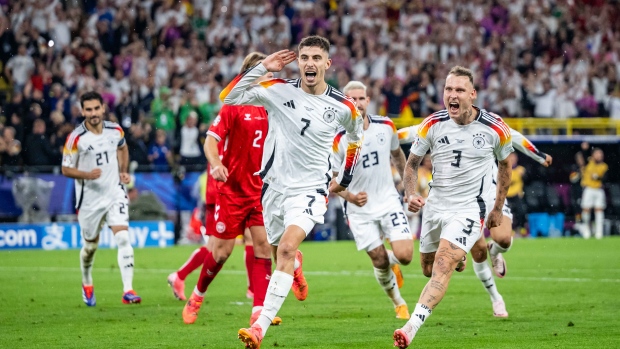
{"points": [[190, 143], [159, 153], [19, 69], [136, 141], [38, 149], [12, 148]]}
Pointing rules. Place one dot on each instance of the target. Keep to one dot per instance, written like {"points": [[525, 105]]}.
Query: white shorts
{"points": [[304, 209], [460, 228], [92, 219], [593, 198], [369, 233]]}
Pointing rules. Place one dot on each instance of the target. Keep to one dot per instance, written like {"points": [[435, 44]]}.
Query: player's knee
{"points": [[404, 258], [504, 241], [286, 251], [479, 253], [90, 247], [380, 262], [427, 270], [122, 239]]}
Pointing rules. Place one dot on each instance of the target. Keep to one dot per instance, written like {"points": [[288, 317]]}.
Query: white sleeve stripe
{"points": [[214, 135]]}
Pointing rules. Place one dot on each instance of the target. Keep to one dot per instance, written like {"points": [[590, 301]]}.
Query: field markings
{"points": [[342, 273]]}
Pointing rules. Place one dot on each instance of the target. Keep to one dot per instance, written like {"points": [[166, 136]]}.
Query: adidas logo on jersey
{"points": [[290, 104], [462, 241], [444, 140]]}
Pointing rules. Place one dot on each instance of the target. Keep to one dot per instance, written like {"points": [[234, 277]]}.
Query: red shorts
{"points": [[209, 220], [231, 215]]}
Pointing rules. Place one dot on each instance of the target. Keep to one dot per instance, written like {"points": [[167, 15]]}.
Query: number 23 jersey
{"points": [[86, 151], [462, 158]]}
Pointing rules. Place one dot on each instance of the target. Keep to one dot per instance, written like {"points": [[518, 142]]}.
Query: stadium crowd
{"points": [[161, 64]]}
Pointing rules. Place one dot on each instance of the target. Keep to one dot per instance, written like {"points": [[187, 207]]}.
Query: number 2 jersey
{"points": [[373, 173], [302, 128], [86, 151], [463, 158], [242, 130]]}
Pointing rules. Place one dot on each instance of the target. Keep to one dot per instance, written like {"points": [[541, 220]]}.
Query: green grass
{"points": [[560, 293]]}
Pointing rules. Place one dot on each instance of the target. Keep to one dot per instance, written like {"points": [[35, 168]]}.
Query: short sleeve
{"points": [[338, 151], [395, 143], [220, 126], [503, 147], [70, 151], [421, 141], [406, 135]]}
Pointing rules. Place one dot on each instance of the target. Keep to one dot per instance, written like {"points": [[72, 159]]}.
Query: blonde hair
{"points": [[353, 85], [251, 60], [462, 71]]}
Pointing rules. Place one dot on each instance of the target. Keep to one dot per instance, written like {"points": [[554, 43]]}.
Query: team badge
{"points": [[329, 115], [220, 227], [381, 138], [416, 141], [217, 120], [479, 141]]}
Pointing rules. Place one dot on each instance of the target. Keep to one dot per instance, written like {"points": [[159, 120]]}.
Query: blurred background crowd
{"points": [[161, 64]]}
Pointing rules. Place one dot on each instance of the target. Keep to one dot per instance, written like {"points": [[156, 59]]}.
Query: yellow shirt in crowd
{"points": [[592, 174], [516, 182]]}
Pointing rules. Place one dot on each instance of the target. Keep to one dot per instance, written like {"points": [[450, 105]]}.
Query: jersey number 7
{"points": [[303, 130]]}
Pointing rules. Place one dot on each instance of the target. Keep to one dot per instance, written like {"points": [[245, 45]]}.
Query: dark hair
{"points": [[251, 60], [315, 41], [89, 96], [462, 71]]}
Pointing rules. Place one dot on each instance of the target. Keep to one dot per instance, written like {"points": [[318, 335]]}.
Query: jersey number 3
{"points": [[457, 158]]}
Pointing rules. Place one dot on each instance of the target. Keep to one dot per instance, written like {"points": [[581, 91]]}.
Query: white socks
{"points": [[198, 293], [125, 258], [387, 280], [279, 286], [392, 258], [496, 248], [585, 228], [599, 218], [420, 314], [484, 273], [87, 258]]}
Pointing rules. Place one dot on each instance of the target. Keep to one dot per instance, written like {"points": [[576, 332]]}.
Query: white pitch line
{"points": [[355, 273]]}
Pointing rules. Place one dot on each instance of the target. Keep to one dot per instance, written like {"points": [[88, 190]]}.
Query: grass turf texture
{"points": [[560, 293]]}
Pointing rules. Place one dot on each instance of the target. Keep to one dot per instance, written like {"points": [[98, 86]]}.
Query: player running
{"points": [[304, 116], [464, 141], [237, 203], [375, 211], [96, 156]]}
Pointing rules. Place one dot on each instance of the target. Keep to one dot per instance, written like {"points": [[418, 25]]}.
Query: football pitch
{"points": [[560, 293]]}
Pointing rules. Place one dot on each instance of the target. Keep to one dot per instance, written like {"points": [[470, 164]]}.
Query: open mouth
{"points": [[310, 76], [454, 107]]}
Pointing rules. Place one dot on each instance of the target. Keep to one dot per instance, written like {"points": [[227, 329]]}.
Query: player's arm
{"points": [[122, 153], [218, 170], [337, 159], [407, 134], [502, 149], [70, 157], [410, 180], [77, 174], [360, 199], [524, 145], [353, 124]]}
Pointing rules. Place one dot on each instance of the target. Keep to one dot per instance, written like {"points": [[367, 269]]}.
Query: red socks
{"points": [[249, 265], [208, 272], [195, 260], [261, 274]]}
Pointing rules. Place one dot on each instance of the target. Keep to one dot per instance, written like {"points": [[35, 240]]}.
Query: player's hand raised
{"points": [[495, 218], [220, 173], [548, 161], [275, 62], [94, 174], [360, 199], [125, 178], [415, 203]]}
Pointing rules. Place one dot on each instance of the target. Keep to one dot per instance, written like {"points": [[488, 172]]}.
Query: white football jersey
{"points": [[407, 134], [302, 128], [373, 173], [463, 158], [86, 151]]}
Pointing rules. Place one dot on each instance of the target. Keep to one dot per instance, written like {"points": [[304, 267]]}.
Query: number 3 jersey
{"points": [[463, 158], [373, 173], [86, 151], [302, 128]]}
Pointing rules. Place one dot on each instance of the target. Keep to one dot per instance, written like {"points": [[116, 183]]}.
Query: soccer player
{"points": [[304, 116], [96, 156], [242, 129], [592, 177], [464, 141], [375, 211]]}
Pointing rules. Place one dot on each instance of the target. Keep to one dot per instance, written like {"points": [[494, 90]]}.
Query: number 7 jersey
{"points": [[86, 151], [463, 158]]}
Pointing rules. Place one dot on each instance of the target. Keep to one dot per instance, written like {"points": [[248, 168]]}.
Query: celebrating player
{"points": [[96, 156], [592, 177], [237, 205], [376, 211], [304, 115], [464, 141]]}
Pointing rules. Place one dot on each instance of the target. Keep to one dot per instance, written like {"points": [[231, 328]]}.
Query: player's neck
{"points": [[318, 89], [468, 117], [94, 129], [366, 122]]}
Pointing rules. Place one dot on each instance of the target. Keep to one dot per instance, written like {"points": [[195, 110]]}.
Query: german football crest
{"points": [[329, 115], [381, 138], [479, 141]]}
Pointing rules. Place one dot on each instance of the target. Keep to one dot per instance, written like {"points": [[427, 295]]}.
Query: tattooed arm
{"points": [[410, 180], [504, 173]]}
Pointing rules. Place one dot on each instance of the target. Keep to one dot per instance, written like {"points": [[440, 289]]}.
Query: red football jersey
{"points": [[242, 130]]}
